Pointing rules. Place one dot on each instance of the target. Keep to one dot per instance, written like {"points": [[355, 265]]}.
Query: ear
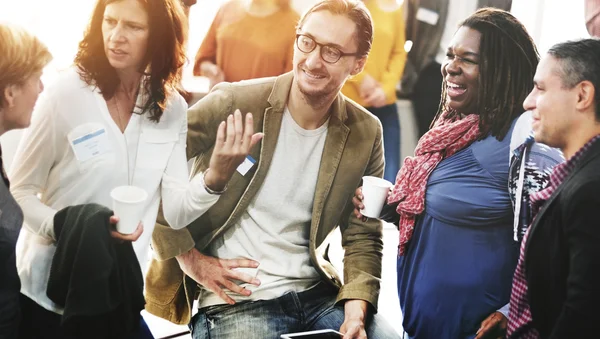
{"points": [[586, 93], [360, 65], [10, 95]]}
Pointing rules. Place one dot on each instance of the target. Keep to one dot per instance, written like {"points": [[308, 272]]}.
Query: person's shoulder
{"points": [[355, 110], [230, 7], [176, 104], [174, 115], [249, 89], [247, 95], [68, 82], [359, 117], [589, 164]]}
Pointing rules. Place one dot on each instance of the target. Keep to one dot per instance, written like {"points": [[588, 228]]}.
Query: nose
{"points": [[451, 67], [529, 103], [117, 33], [41, 86], [313, 59]]}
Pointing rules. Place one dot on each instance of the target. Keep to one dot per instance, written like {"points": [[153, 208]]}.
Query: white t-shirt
{"points": [[275, 228], [74, 153]]}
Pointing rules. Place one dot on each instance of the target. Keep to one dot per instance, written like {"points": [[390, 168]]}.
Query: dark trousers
{"points": [[388, 115], [426, 96], [39, 323], [10, 313]]}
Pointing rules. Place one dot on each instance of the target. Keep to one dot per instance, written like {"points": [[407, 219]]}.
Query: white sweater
{"points": [[74, 153]]}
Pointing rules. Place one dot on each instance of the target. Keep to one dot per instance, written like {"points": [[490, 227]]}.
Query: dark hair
{"points": [[165, 54], [355, 11], [579, 61], [508, 60]]}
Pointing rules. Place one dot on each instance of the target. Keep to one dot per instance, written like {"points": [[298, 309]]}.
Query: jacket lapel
{"points": [[337, 134]]}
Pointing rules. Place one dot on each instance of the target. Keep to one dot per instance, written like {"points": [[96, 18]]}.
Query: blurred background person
{"points": [[457, 252], [248, 39], [113, 119], [592, 17], [186, 6], [375, 87], [430, 25], [22, 59]]}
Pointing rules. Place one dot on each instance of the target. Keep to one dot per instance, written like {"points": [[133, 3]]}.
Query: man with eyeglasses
{"points": [[259, 255]]}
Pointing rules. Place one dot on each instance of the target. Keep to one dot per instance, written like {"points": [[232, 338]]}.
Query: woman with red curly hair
{"points": [[114, 119]]}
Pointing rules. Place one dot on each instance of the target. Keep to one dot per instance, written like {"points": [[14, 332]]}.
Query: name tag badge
{"points": [[90, 145], [246, 165], [427, 16]]}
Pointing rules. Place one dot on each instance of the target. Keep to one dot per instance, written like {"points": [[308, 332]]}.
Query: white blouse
{"points": [[74, 153]]}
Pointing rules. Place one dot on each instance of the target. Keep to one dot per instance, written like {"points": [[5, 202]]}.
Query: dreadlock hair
{"points": [[508, 60]]}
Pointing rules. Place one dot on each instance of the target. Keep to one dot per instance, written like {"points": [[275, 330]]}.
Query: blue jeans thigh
{"points": [[322, 313], [261, 319]]}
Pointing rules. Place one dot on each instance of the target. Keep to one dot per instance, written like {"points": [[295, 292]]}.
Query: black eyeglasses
{"points": [[329, 54]]}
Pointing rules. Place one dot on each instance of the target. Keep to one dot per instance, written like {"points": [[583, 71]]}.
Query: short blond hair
{"points": [[21, 56]]}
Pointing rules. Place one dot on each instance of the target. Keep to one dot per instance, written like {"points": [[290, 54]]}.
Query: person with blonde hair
{"points": [[22, 59]]}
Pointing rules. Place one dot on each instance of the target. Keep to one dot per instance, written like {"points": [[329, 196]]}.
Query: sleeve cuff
{"points": [[504, 310], [47, 229], [349, 293], [172, 242]]}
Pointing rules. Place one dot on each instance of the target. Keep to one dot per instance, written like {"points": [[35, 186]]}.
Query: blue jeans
{"points": [[388, 115], [312, 309]]}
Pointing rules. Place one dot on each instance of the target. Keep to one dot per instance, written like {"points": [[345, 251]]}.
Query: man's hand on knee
{"points": [[217, 275], [355, 313]]}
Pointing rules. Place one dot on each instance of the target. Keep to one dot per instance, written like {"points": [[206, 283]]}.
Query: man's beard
{"points": [[316, 98]]}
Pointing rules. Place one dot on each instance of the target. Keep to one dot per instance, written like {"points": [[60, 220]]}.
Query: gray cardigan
{"points": [[11, 220]]}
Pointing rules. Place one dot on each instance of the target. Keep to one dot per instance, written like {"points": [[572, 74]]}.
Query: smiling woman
{"points": [[451, 201]]}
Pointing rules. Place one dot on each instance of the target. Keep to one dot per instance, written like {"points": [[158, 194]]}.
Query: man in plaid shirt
{"points": [[556, 287]]}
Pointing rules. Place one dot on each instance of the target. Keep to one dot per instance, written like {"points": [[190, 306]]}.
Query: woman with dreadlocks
{"points": [[451, 201]]}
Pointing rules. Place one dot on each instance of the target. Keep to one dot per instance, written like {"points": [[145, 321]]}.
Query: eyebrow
{"points": [[128, 22], [326, 44], [466, 53]]}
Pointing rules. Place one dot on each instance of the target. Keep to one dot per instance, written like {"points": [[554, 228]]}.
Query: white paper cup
{"points": [[375, 191], [128, 205]]}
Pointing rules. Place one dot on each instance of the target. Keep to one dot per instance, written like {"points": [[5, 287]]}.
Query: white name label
{"points": [[246, 165], [427, 16], [90, 145]]}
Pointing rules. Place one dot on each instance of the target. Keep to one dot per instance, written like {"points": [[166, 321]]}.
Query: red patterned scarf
{"points": [[447, 137]]}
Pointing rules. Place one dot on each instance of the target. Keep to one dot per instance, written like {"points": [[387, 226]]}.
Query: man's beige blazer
{"points": [[353, 148]]}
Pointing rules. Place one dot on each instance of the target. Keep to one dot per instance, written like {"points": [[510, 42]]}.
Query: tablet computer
{"points": [[318, 334]]}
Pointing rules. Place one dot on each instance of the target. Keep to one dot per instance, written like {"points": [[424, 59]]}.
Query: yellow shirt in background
{"points": [[248, 47], [387, 57]]}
